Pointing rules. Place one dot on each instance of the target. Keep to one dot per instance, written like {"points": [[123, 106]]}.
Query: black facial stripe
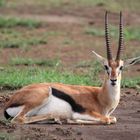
{"points": [[75, 107], [108, 72], [106, 67], [121, 68]]}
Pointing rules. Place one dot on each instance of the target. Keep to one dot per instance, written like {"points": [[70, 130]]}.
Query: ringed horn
{"points": [[120, 45]]}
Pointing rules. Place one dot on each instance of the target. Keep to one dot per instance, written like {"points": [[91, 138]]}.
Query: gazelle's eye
{"points": [[121, 68], [106, 67]]}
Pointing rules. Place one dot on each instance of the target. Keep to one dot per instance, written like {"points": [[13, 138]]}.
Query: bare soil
{"points": [[72, 21]]}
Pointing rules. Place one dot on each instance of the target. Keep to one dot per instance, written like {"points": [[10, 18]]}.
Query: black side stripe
{"points": [[75, 107], [7, 116], [15, 105]]}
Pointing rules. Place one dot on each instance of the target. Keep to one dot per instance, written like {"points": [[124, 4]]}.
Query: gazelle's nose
{"points": [[113, 82]]}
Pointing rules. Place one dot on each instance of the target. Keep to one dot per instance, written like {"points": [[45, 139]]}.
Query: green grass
{"points": [[130, 33], [11, 38], [13, 78], [131, 82], [108, 4], [2, 3], [6, 136], [16, 78], [9, 22], [29, 61], [22, 43]]}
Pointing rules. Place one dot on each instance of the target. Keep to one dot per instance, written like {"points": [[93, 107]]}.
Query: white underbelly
{"points": [[56, 107], [13, 111]]}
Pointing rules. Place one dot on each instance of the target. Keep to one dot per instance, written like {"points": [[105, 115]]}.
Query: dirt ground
{"points": [[72, 21]]}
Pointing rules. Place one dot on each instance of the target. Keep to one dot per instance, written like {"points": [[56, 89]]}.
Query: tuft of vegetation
{"points": [[18, 39], [2, 3], [130, 33], [15, 78], [112, 6], [6, 136], [29, 61], [131, 82], [94, 31], [9, 22], [22, 43]]}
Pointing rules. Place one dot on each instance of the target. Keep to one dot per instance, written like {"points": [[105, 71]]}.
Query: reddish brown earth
{"points": [[72, 21]]}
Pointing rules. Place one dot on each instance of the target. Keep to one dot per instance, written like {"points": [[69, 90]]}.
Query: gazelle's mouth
{"points": [[113, 82]]}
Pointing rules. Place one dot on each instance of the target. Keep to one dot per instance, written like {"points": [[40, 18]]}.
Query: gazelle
{"points": [[73, 103]]}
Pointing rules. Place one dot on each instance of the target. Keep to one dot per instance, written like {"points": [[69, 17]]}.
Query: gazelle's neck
{"points": [[110, 94], [112, 91]]}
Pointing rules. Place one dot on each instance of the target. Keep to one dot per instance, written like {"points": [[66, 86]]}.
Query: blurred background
{"points": [[52, 40]]}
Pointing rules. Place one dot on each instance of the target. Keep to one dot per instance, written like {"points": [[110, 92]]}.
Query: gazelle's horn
{"points": [[109, 54], [120, 46]]}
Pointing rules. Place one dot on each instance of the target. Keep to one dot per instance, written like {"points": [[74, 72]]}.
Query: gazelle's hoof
{"points": [[57, 120], [17, 121], [113, 119]]}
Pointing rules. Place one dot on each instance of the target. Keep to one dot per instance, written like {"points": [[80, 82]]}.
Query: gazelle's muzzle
{"points": [[113, 82]]}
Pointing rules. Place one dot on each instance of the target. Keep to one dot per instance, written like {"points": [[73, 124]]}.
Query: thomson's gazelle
{"points": [[73, 103]]}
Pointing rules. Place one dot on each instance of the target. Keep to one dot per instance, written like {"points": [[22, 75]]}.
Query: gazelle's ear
{"points": [[101, 59], [131, 61]]}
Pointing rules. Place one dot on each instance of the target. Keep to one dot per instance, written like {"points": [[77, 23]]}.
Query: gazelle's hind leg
{"points": [[29, 110], [21, 117]]}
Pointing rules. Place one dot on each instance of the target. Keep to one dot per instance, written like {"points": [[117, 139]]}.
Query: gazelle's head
{"points": [[114, 66]]}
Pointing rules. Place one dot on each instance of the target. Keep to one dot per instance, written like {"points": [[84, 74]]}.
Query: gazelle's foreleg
{"points": [[91, 117]]}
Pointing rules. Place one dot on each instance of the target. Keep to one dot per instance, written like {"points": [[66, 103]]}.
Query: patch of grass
{"points": [[9, 22], [16, 39], [94, 31], [92, 70], [16, 78], [22, 43], [13, 78], [130, 33], [30, 61], [131, 82], [84, 64], [68, 42], [53, 3], [6, 136], [2, 3], [111, 5]]}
